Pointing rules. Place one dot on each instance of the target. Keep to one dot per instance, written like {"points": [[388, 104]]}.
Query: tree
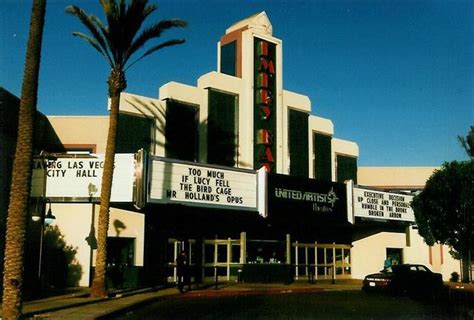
{"points": [[444, 210], [117, 43], [22, 169], [468, 143]]}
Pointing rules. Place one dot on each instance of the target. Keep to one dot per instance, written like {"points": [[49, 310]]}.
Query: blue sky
{"points": [[397, 77]]}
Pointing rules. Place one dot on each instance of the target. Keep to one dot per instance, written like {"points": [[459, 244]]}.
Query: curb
{"points": [[247, 292], [34, 313], [125, 309], [39, 312]]}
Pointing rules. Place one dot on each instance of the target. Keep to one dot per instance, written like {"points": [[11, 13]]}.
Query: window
{"points": [[222, 128], [181, 131], [322, 156], [396, 254], [228, 58], [80, 148], [422, 269], [133, 133], [346, 168], [298, 143]]}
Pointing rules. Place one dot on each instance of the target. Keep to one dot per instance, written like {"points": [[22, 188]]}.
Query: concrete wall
{"points": [[74, 221], [81, 131], [369, 253], [394, 177]]}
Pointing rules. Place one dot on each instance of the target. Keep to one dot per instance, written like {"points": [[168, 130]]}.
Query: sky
{"points": [[396, 77]]}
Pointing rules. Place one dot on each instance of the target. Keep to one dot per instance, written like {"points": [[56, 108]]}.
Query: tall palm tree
{"points": [[117, 43], [22, 166]]}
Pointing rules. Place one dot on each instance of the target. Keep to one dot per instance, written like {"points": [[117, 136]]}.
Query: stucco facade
{"points": [[76, 132], [369, 253], [265, 128], [410, 178]]}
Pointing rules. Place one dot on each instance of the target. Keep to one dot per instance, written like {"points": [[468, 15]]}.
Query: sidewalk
{"points": [[74, 306]]}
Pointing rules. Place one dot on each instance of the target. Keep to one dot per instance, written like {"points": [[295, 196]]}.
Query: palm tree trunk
{"points": [[22, 166], [116, 85]]}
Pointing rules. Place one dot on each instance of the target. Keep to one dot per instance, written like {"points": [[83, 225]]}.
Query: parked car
{"points": [[413, 279]]}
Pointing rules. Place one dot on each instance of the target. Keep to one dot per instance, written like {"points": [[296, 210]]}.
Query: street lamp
{"points": [[38, 214], [47, 220]]}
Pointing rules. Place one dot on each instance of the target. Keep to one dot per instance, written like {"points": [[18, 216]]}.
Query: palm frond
{"points": [[111, 10], [136, 15], [120, 39], [148, 10], [156, 48], [92, 23], [131, 21], [94, 44], [111, 52], [154, 31], [109, 7]]}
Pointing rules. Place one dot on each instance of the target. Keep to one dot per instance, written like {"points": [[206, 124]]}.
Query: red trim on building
{"points": [[237, 37], [430, 252], [441, 253]]}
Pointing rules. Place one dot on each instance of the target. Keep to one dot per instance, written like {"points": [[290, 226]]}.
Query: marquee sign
{"points": [[265, 104], [202, 185], [382, 205], [80, 179], [323, 200]]}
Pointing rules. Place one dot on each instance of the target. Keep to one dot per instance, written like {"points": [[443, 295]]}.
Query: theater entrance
{"points": [[259, 260]]}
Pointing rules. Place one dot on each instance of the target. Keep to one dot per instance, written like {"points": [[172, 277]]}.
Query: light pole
{"points": [[91, 239], [44, 219], [39, 213]]}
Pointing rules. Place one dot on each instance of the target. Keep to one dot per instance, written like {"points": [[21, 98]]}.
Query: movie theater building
{"points": [[235, 170], [387, 236]]}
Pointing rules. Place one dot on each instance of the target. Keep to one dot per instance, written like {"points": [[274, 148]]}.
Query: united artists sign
{"points": [[320, 199]]}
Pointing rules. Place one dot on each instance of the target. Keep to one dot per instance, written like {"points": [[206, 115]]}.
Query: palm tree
{"points": [[117, 43], [22, 166]]}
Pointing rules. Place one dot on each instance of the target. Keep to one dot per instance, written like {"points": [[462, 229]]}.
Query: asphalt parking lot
{"points": [[353, 304]]}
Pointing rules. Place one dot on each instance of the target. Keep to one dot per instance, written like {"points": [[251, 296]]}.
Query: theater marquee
{"points": [[199, 185], [79, 179], [265, 105], [382, 205], [323, 201]]}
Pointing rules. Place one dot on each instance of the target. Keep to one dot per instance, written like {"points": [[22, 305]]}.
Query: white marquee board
{"points": [[74, 178], [382, 205], [198, 185]]}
